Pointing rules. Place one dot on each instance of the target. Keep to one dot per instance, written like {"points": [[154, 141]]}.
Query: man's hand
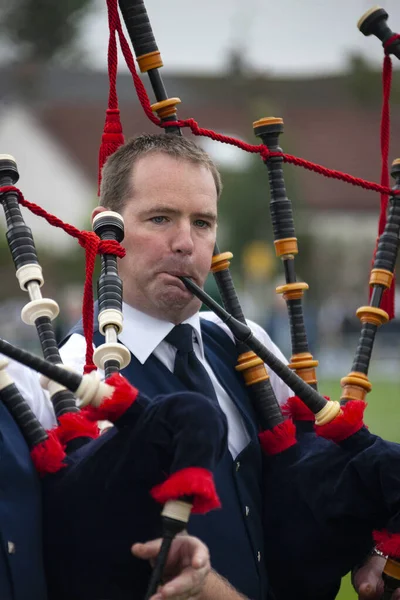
{"points": [[187, 567], [367, 580]]}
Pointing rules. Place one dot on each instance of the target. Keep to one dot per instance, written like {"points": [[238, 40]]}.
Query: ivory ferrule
{"points": [[110, 317], [111, 351], [92, 390], [177, 510], [328, 413], [28, 273], [43, 307]]}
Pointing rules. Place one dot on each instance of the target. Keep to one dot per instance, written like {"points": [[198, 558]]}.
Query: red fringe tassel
{"points": [[388, 543], [279, 438], [111, 409], [74, 425], [193, 481], [297, 410], [48, 456], [347, 422]]}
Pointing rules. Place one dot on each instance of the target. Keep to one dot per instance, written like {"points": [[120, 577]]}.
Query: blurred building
{"points": [[54, 127], [52, 122]]}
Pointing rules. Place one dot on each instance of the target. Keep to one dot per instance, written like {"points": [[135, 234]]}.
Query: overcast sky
{"points": [[278, 36]]}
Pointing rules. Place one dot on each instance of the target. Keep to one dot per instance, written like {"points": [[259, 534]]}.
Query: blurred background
{"points": [[231, 63]]}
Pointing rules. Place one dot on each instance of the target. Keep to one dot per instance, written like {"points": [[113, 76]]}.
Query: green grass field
{"points": [[383, 418]]}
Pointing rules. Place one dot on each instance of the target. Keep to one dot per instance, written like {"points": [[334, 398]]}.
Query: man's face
{"points": [[170, 229]]}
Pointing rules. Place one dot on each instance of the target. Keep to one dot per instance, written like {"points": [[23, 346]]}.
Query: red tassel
{"points": [[192, 481], [279, 438], [111, 409], [388, 297], [297, 410], [347, 422], [388, 543], [111, 140], [74, 425], [48, 456]]}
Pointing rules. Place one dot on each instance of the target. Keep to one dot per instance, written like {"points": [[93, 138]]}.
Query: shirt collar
{"points": [[143, 333]]}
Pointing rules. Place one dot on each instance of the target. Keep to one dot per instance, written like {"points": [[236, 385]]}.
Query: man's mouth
{"points": [[177, 276]]}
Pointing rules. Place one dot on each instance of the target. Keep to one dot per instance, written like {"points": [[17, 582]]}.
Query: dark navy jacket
{"points": [[21, 564], [314, 534], [234, 534]]}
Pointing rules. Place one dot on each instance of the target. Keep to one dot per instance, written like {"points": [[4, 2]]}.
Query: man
{"points": [[168, 198], [167, 189]]}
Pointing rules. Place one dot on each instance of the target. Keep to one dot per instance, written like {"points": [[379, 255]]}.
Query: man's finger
{"points": [[201, 557], [367, 591], [147, 550], [367, 579]]}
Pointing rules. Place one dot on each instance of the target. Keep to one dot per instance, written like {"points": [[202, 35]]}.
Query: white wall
{"points": [[343, 227], [48, 177]]}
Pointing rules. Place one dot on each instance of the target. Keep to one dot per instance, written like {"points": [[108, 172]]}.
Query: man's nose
{"points": [[182, 240]]}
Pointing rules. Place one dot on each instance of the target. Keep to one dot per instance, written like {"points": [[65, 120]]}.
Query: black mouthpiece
{"points": [[374, 22]]}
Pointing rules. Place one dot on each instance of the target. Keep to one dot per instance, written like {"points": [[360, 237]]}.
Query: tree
{"points": [[244, 212], [41, 31], [364, 81]]}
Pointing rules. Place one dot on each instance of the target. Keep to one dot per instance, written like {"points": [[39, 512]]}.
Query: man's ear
{"points": [[96, 211]]}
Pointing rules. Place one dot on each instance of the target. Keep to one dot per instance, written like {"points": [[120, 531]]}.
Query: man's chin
{"points": [[177, 301]]}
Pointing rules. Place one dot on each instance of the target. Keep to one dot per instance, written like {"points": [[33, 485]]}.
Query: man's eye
{"points": [[158, 219], [202, 224]]}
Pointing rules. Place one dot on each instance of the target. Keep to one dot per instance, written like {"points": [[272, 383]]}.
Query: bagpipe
{"points": [[324, 530], [167, 440]]}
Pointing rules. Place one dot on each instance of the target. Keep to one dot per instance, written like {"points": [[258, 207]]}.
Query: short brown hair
{"points": [[115, 179]]}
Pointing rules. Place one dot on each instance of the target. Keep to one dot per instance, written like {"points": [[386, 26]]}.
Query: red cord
{"points": [[90, 241], [93, 246], [388, 296], [197, 130]]}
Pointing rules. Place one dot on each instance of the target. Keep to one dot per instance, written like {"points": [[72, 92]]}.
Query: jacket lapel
{"points": [[222, 355]]}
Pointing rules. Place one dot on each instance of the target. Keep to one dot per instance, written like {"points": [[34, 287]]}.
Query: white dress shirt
{"points": [[144, 335]]}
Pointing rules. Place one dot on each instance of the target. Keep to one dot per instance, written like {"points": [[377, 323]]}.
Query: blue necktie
{"points": [[187, 367]]}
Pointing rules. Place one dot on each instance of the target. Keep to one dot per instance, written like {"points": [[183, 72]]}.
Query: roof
{"points": [[324, 122]]}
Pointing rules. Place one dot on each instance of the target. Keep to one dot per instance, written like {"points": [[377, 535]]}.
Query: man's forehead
{"points": [[160, 171], [155, 158], [150, 157]]}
